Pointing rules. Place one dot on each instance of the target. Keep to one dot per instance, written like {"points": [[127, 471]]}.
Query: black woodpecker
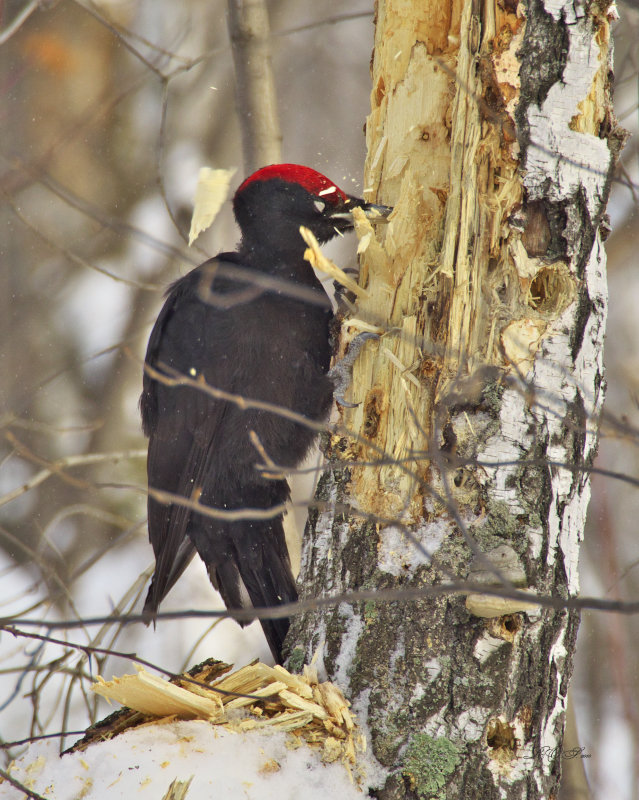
{"points": [[254, 323]]}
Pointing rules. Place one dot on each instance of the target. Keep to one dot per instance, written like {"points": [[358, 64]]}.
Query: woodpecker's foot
{"points": [[342, 373]]}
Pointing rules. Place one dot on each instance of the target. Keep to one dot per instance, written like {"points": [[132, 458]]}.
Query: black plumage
{"points": [[220, 324]]}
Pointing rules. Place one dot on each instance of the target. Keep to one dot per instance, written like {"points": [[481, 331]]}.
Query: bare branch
{"points": [[16, 784], [19, 20], [57, 467]]}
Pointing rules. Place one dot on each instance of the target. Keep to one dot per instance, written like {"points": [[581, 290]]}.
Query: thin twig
{"points": [[18, 21]]}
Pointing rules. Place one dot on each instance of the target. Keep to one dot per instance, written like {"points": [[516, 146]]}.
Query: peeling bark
{"points": [[492, 134]]}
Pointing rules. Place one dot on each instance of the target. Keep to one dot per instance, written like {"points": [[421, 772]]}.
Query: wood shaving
{"points": [[317, 259], [315, 714], [210, 195]]}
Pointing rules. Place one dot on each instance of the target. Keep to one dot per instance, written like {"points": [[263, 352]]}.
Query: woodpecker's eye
{"points": [[320, 205]]}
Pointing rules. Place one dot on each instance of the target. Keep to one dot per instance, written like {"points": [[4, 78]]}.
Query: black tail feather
{"points": [[259, 576], [166, 575]]}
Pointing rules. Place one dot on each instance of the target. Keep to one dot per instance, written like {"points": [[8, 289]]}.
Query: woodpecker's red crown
{"points": [[311, 180]]}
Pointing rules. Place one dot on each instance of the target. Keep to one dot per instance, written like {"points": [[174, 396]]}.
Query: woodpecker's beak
{"points": [[374, 212]]}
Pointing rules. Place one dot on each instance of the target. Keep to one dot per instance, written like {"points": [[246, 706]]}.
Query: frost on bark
{"points": [[492, 134]]}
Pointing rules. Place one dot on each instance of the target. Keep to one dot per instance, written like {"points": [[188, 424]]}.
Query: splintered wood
{"points": [[151, 695], [441, 276], [210, 194], [254, 697], [313, 254]]}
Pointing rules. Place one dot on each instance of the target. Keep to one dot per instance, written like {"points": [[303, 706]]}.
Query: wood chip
{"points": [[315, 714], [332, 750], [317, 259], [289, 722], [210, 194], [294, 701], [152, 695], [264, 691], [294, 682], [269, 767], [178, 789], [336, 704]]}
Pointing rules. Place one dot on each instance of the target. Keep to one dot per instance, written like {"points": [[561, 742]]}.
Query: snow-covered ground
{"points": [[142, 763]]}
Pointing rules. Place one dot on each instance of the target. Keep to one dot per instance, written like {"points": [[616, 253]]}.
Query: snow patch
{"points": [[375, 773], [399, 555], [144, 761], [348, 647]]}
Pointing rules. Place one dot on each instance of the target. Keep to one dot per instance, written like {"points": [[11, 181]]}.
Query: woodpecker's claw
{"points": [[342, 373]]}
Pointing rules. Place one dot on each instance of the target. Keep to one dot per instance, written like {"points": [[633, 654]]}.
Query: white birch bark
{"points": [[489, 285]]}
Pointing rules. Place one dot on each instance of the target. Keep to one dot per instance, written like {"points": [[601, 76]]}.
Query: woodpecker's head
{"points": [[272, 203]]}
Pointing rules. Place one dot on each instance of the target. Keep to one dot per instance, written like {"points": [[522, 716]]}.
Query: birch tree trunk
{"points": [[492, 134]]}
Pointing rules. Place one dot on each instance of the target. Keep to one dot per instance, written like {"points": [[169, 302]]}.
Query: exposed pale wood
{"points": [[152, 695], [452, 176]]}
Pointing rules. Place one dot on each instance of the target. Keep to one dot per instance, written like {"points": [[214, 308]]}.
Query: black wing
{"points": [[181, 422]]}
